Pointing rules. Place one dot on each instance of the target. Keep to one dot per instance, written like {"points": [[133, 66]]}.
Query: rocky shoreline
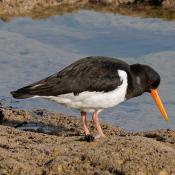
{"points": [[43, 142], [45, 8]]}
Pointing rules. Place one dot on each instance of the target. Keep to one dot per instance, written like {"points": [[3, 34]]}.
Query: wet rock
{"points": [[1, 116]]}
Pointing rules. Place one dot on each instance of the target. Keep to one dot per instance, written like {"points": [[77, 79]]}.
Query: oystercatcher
{"points": [[92, 84]]}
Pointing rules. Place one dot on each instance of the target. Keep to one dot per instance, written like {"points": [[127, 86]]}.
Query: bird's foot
{"points": [[89, 138]]}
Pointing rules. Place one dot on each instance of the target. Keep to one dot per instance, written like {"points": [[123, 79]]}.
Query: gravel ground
{"points": [[42, 142]]}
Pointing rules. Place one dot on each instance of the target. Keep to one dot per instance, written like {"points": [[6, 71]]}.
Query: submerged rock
{"points": [[24, 150]]}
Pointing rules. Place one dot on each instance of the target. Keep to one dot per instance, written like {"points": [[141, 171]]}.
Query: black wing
{"points": [[87, 74]]}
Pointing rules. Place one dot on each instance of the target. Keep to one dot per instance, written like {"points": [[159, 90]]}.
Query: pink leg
{"points": [[96, 121], [85, 123]]}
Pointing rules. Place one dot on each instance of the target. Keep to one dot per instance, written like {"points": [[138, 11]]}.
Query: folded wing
{"points": [[87, 74]]}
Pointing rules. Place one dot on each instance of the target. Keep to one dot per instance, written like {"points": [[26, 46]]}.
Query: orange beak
{"points": [[155, 95]]}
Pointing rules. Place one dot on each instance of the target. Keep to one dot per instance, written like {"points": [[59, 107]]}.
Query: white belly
{"points": [[94, 101]]}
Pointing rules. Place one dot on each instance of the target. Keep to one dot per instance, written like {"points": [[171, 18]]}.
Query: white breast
{"points": [[94, 101]]}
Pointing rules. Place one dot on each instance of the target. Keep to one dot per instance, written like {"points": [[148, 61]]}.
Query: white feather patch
{"points": [[138, 80], [94, 101]]}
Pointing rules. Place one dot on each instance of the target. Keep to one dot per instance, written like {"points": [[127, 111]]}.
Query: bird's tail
{"points": [[22, 93]]}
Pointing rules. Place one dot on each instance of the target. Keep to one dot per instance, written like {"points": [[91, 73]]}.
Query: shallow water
{"points": [[33, 49]]}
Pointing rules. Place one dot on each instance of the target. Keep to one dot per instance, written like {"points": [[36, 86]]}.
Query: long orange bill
{"points": [[155, 95]]}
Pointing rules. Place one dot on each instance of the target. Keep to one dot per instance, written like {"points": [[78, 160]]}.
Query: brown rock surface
{"points": [[43, 142], [10, 8]]}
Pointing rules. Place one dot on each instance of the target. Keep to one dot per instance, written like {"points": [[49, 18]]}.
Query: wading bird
{"points": [[92, 84]]}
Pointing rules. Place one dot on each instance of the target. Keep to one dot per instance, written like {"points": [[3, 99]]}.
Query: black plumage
{"points": [[87, 74], [96, 73]]}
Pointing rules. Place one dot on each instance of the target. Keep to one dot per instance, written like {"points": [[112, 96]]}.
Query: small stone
{"points": [[164, 172]]}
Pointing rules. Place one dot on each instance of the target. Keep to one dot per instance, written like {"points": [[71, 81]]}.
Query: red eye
{"points": [[150, 81]]}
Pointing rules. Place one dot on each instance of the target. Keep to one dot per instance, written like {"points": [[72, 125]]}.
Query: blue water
{"points": [[33, 49]]}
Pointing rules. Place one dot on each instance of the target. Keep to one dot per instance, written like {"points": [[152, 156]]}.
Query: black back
{"points": [[87, 74]]}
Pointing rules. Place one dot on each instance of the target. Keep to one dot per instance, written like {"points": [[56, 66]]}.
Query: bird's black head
{"points": [[147, 80], [146, 77]]}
